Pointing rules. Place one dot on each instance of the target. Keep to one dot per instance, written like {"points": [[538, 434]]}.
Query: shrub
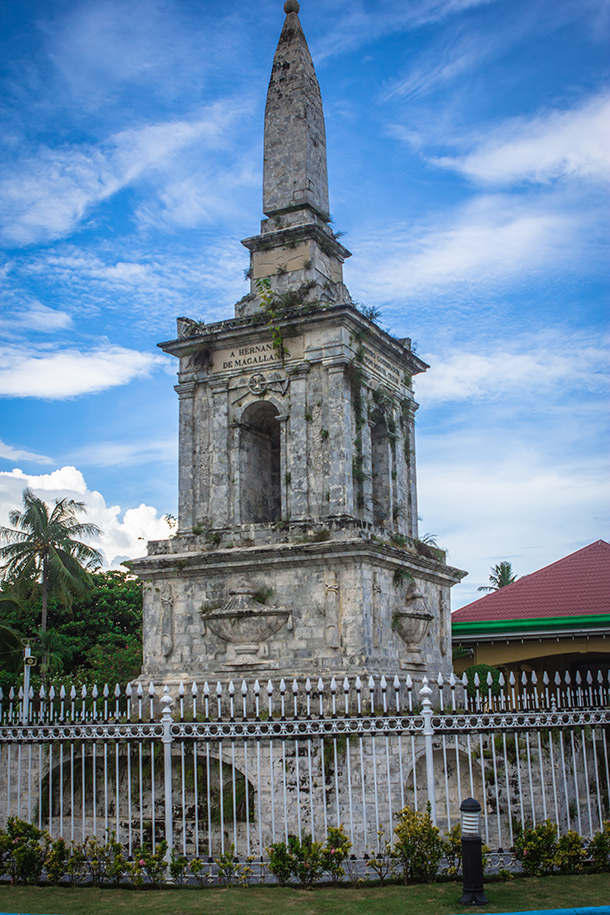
{"points": [[599, 849], [106, 862], [535, 849], [570, 855], [482, 670], [228, 866], [418, 845], [452, 848], [177, 867], [56, 860], [307, 856], [149, 864], [281, 862], [383, 861], [26, 852], [335, 852]]}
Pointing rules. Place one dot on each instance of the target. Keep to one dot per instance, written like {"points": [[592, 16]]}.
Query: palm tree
{"points": [[42, 546], [501, 576]]}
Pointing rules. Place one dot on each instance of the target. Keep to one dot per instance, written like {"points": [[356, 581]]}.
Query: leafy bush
{"points": [[335, 852], [228, 866], [452, 848], [149, 864], [482, 670], [535, 849], [56, 860], [418, 845], [308, 863], [571, 853], [599, 849], [383, 861], [26, 853], [281, 862]]}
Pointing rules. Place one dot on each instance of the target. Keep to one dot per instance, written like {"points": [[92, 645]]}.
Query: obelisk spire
{"points": [[294, 172], [297, 253]]}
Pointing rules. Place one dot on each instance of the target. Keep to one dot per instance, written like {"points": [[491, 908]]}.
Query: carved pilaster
{"points": [[186, 395], [297, 453], [219, 442], [340, 440]]}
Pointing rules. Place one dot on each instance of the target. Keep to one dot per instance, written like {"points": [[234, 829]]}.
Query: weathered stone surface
{"points": [[297, 456], [294, 171]]}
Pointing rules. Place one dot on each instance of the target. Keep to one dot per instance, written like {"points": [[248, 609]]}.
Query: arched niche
{"points": [[259, 461]]}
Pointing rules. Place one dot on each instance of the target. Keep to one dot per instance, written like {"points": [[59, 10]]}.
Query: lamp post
{"points": [[472, 853]]}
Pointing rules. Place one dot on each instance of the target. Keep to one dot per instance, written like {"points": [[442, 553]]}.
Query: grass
{"points": [[517, 895]]}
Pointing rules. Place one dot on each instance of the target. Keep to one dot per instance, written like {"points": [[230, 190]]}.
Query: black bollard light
{"points": [[472, 853]]}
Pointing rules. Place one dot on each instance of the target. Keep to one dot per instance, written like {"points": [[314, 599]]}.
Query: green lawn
{"points": [[517, 895]]}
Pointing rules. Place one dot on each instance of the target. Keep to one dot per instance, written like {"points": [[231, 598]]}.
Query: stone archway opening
{"points": [[260, 464]]}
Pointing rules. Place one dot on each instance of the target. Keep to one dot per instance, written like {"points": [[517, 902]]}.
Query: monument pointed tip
{"points": [[291, 6]]}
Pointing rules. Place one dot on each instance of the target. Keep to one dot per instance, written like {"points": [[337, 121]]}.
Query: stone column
{"points": [[234, 472], [186, 436], [412, 476], [282, 419], [297, 491], [219, 446], [367, 466], [340, 441]]}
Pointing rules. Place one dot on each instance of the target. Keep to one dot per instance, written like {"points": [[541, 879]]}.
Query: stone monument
{"points": [[297, 552]]}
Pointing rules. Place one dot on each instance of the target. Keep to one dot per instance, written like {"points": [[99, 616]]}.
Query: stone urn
{"points": [[245, 624], [412, 623]]}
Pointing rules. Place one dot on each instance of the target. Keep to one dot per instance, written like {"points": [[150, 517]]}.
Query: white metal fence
{"points": [[247, 764]]}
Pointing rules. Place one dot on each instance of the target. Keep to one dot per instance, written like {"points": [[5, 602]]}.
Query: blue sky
{"points": [[468, 165]]}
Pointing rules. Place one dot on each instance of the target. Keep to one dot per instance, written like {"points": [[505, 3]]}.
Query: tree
{"points": [[42, 546], [99, 640], [501, 576]]}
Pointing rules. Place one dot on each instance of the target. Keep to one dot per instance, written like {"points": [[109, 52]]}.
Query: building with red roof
{"points": [[556, 619]]}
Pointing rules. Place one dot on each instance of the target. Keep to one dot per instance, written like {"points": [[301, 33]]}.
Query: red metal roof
{"points": [[577, 585]]}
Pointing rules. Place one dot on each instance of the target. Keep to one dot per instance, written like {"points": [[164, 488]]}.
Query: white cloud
{"points": [[122, 537], [526, 364], [121, 454], [46, 196], [490, 241], [57, 375], [8, 453], [33, 316], [557, 144], [491, 499]]}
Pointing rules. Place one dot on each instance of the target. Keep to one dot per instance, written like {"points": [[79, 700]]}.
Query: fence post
{"points": [[167, 721], [425, 692]]}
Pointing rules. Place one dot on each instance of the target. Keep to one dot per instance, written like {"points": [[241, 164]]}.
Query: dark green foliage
{"points": [[599, 849], [147, 863], [482, 670], [21, 851], [535, 849], [418, 845], [99, 639], [571, 853]]}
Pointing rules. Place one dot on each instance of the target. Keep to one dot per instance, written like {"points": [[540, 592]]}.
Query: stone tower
{"points": [[296, 553]]}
